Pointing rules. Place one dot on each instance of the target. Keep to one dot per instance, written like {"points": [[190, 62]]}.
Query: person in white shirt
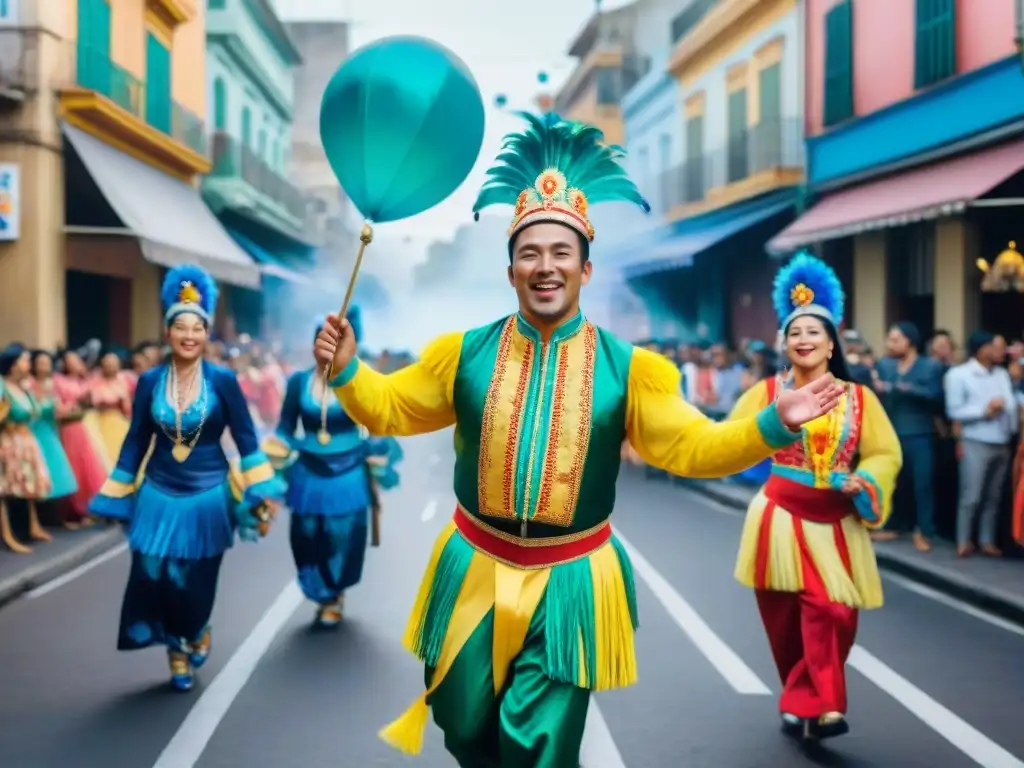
{"points": [[980, 397]]}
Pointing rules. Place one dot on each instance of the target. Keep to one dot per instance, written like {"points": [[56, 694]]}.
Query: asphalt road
{"points": [[931, 684]]}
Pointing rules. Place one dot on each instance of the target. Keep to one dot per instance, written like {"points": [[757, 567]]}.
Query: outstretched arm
{"points": [[671, 434], [412, 401]]}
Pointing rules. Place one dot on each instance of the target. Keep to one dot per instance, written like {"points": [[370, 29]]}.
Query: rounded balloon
{"points": [[542, 77], [402, 123], [500, 100]]}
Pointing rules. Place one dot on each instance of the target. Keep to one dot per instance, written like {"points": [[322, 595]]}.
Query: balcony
{"points": [[242, 180], [104, 99], [766, 156], [19, 64]]}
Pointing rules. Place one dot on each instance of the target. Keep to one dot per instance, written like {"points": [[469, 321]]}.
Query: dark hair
{"points": [[977, 340], [584, 243], [837, 364], [9, 356]]}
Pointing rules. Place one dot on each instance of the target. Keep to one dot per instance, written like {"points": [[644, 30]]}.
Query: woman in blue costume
{"points": [[332, 468], [183, 512]]}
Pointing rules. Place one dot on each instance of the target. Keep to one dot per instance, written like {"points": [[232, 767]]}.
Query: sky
{"points": [[505, 48]]}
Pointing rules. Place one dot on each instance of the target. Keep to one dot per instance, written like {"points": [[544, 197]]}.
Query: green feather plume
{"points": [[572, 148]]}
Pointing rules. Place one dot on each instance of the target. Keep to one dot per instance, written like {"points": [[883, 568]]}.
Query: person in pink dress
{"points": [[71, 387], [111, 390]]}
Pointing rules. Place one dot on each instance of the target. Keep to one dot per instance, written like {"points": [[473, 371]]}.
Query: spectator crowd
{"points": [[957, 414]]}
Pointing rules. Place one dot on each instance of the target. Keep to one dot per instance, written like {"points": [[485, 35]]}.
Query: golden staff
{"points": [[365, 238]]}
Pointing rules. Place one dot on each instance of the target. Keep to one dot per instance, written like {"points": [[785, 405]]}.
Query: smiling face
{"points": [[808, 344], [187, 336], [547, 271]]}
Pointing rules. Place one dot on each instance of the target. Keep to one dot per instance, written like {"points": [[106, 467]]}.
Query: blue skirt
{"points": [[329, 552], [168, 601]]}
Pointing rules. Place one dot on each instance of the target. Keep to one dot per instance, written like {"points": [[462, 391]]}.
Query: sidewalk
{"points": [[48, 561], [993, 584]]}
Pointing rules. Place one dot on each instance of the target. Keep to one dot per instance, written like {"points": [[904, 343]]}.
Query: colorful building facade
{"points": [[250, 79], [109, 140], [608, 66], [735, 67], [914, 118]]}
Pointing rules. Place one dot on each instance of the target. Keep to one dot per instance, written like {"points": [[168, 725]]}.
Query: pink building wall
{"points": [[883, 49]]}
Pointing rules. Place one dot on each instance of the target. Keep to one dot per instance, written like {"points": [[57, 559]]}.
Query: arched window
{"points": [[220, 105]]}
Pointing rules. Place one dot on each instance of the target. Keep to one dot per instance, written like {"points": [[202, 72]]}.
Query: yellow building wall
{"points": [[188, 82], [128, 35]]}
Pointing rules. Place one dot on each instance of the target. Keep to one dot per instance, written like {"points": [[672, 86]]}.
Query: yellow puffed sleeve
{"points": [[671, 434], [879, 461], [412, 401], [751, 402]]}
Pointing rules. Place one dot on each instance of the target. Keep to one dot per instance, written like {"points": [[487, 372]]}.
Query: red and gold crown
{"points": [[552, 171]]}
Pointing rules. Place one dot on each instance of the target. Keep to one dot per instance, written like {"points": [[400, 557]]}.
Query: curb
{"points": [[36, 575], [996, 601]]}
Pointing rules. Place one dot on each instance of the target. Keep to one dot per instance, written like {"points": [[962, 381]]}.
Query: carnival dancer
{"points": [[26, 476], [805, 548], [183, 513], [528, 603], [330, 489]]}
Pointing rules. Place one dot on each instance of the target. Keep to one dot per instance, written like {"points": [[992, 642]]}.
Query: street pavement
{"points": [[932, 682]]}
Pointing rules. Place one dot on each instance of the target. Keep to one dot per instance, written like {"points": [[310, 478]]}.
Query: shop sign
{"points": [[10, 201]]}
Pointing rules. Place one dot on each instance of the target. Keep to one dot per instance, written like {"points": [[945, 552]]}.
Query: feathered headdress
{"points": [[189, 288], [553, 171], [807, 286], [354, 317]]}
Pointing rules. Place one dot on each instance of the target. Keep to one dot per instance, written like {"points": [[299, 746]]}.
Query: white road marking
{"points": [[429, 511], [599, 750], [60, 581], [188, 743], [730, 666], [952, 602], [973, 743]]}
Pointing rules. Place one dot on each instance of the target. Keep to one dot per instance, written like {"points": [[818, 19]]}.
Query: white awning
{"points": [[169, 217]]}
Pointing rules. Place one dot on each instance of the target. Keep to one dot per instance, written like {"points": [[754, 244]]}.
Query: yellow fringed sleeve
{"points": [[879, 461], [412, 401], [750, 403], [671, 434]]}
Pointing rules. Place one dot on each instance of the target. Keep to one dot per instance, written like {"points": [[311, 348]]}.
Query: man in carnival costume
{"points": [[528, 602]]}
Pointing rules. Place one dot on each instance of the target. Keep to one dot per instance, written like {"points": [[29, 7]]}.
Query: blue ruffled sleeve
{"points": [[116, 498], [259, 483]]}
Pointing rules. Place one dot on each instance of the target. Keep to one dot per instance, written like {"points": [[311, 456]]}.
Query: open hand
{"points": [[335, 344], [796, 407]]}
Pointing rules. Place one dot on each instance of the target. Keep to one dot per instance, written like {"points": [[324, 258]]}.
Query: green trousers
{"points": [[533, 722]]}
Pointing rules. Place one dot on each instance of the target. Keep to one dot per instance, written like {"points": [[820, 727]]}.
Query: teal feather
{"points": [[817, 276], [572, 148]]}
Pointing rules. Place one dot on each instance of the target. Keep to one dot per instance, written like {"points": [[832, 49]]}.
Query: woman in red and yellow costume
{"points": [[806, 549]]}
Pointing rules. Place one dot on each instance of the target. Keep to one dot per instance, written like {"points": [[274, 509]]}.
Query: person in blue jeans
{"points": [[910, 388]]}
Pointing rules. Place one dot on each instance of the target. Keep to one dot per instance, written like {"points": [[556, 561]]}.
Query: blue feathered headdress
{"points": [[190, 289], [807, 286], [553, 171], [355, 319]]}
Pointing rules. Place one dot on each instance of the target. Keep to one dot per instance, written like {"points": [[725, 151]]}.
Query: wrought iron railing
{"points": [[231, 158], [188, 128], [96, 71]]}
